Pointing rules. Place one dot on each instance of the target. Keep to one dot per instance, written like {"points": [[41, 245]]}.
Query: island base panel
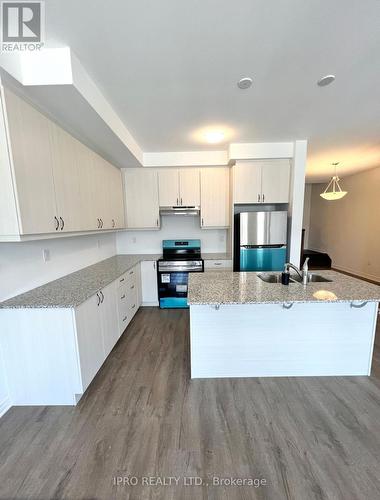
{"points": [[268, 340]]}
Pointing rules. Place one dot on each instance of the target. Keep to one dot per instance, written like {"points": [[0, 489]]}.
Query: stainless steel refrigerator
{"points": [[261, 241]]}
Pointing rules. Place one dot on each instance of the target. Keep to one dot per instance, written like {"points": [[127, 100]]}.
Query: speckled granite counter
{"points": [[75, 288], [227, 287], [216, 256]]}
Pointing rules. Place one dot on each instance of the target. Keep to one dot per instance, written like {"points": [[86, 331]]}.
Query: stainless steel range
{"points": [[180, 257]]}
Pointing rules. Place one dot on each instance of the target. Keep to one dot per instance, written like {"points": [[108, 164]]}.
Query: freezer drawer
{"points": [[262, 259]]}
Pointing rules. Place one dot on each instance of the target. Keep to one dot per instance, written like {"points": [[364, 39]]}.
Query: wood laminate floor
{"points": [[308, 438]]}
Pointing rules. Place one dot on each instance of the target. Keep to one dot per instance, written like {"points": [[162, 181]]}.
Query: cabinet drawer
{"points": [[218, 264]]}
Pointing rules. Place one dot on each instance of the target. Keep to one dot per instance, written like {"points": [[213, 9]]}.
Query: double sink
{"points": [[276, 278]]}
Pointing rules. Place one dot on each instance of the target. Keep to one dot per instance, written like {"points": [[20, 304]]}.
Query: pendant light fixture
{"points": [[333, 190]]}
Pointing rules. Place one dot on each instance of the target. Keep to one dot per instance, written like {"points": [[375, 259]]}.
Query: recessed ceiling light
{"points": [[244, 83], [214, 136], [326, 80]]}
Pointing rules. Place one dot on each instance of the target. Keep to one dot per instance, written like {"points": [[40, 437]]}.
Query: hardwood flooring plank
{"points": [[309, 438]]}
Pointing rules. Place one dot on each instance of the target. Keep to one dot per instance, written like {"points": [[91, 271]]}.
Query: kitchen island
{"points": [[242, 326]]}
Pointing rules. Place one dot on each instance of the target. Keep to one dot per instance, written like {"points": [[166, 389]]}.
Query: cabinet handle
{"points": [[125, 318], [132, 287], [56, 223], [258, 198], [62, 223], [154, 265], [101, 293], [181, 201], [263, 198], [122, 297], [134, 305], [101, 223], [177, 202], [131, 272], [122, 279], [98, 299], [217, 263], [157, 222], [113, 222], [98, 223], [202, 222]]}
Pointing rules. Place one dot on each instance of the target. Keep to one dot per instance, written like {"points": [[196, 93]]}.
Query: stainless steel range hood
{"points": [[179, 211]]}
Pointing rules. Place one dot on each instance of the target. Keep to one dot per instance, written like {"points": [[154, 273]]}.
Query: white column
{"points": [[297, 191]]}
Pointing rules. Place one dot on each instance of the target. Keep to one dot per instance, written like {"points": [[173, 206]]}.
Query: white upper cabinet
{"points": [[51, 183], [179, 187], [215, 210], [261, 181], [116, 197], [168, 188], [189, 187], [275, 181], [66, 180], [32, 159], [247, 182], [141, 198]]}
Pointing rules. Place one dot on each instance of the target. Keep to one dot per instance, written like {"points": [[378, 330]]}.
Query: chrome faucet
{"points": [[305, 271], [302, 274]]}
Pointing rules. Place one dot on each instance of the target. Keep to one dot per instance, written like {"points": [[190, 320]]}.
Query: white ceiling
{"points": [[170, 67]]}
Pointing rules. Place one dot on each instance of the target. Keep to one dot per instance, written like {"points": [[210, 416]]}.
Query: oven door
{"points": [[172, 289], [173, 280]]}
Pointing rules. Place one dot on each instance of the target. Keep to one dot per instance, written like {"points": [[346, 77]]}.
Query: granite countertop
{"points": [[227, 287], [216, 256], [75, 288]]}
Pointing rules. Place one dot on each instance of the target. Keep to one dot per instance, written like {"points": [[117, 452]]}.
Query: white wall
{"points": [[349, 229], [22, 267], [306, 214], [172, 227]]}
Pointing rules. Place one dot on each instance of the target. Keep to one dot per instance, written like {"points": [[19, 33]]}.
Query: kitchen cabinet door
{"points": [[275, 181], [247, 182], [115, 197], [32, 160], [100, 193], [90, 339], [168, 188], [66, 179], [109, 316], [149, 290], [189, 187], [141, 199], [87, 185], [215, 211]]}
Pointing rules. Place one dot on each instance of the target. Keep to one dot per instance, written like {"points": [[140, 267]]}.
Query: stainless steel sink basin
{"points": [[272, 278], [313, 278], [276, 278]]}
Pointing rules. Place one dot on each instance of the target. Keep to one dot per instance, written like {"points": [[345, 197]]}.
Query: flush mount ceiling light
{"points": [[244, 83], [326, 80], [333, 190], [214, 136]]}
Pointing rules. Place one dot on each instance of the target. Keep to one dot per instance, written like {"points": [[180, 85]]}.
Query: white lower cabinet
{"points": [[221, 265], [51, 355], [128, 293], [149, 289]]}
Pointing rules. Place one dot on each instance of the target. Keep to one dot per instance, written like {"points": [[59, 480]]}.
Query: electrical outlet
{"points": [[46, 254]]}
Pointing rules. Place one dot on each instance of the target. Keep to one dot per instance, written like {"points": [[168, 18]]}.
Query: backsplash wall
{"points": [[22, 266], [172, 227]]}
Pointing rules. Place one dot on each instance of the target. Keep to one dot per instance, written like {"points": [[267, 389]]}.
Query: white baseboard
{"points": [[359, 274], [149, 304], [5, 404]]}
